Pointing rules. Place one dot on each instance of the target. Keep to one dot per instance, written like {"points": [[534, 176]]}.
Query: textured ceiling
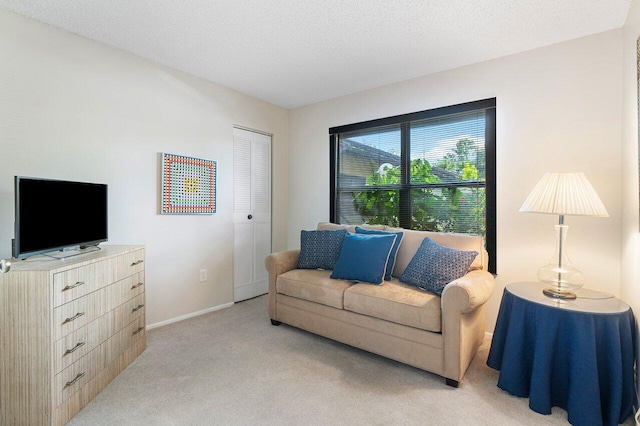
{"points": [[297, 52]]}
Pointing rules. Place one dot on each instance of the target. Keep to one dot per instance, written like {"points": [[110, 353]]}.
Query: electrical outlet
{"points": [[203, 275]]}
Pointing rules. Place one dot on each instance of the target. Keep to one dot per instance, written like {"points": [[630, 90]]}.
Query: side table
{"points": [[574, 354]]}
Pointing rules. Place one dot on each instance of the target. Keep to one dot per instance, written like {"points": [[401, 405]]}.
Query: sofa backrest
{"points": [[349, 228], [411, 241]]}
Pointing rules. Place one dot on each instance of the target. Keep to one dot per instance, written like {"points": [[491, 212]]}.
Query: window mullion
{"points": [[404, 214], [334, 166], [491, 197]]}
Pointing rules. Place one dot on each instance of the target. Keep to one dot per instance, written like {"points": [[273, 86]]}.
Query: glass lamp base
{"points": [[558, 294], [560, 274]]}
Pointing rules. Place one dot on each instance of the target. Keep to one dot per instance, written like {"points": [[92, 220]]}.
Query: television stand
{"points": [[72, 251], [67, 330]]}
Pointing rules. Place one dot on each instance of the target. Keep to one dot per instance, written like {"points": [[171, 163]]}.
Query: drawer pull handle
{"points": [[73, 318], [75, 348], [137, 262], [78, 377], [137, 331], [69, 287], [137, 285], [137, 308]]}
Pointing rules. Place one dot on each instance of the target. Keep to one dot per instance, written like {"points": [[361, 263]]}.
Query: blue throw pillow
{"points": [[394, 250], [364, 258], [320, 249], [434, 266]]}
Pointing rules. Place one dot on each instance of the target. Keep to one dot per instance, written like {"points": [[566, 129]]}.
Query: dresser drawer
{"points": [[130, 263], [74, 377], [77, 282], [75, 315], [131, 286], [137, 285], [132, 332], [75, 345], [129, 311]]}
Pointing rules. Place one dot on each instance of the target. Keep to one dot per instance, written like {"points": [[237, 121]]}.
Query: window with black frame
{"points": [[431, 170]]}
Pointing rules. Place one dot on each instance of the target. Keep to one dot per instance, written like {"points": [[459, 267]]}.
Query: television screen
{"points": [[56, 214]]}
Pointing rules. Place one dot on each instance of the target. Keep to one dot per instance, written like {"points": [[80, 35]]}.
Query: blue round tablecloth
{"points": [[580, 361]]}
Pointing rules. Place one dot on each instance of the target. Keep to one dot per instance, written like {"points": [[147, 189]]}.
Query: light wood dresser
{"points": [[67, 328]]}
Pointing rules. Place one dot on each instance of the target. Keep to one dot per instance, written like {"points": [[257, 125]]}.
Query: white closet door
{"points": [[251, 212]]}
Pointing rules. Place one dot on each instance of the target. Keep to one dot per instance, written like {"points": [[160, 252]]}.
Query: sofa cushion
{"points": [[364, 258], [394, 249], [313, 285], [395, 302], [412, 240], [434, 266], [320, 249]]}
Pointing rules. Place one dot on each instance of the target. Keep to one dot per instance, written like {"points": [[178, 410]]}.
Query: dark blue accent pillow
{"points": [[364, 258], [434, 266], [320, 249], [394, 250]]}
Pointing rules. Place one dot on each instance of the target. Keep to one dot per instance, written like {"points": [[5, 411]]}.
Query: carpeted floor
{"points": [[232, 367]]}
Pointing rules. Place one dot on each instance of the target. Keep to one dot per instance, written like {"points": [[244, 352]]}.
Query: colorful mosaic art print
{"points": [[188, 185]]}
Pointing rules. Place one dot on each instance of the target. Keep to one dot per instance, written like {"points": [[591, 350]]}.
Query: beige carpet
{"points": [[232, 367]]}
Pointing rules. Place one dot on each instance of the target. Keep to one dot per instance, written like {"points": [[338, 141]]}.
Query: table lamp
{"points": [[563, 194]]}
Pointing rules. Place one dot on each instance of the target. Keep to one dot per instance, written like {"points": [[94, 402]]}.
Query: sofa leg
{"points": [[450, 382], [274, 322]]}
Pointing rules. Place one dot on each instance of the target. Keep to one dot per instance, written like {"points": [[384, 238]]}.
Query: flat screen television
{"points": [[54, 215]]}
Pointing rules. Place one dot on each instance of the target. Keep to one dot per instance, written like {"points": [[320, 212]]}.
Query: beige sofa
{"points": [[398, 321]]}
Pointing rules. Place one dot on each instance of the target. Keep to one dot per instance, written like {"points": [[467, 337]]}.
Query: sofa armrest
{"points": [[277, 264], [282, 261], [468, 292], [463, 320]]}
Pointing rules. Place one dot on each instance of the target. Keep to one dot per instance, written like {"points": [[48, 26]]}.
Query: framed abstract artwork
{"points": [[188, 185]]}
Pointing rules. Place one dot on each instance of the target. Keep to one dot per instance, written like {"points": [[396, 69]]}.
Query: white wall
{"points": [[558, 109], [630, 286], [74, 109]]}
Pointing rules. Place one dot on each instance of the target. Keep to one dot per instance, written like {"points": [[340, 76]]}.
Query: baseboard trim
{"points": [[187, 316]]}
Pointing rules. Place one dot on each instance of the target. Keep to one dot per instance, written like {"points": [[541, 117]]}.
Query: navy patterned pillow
{"points": [[434, 266], [320, 249]]}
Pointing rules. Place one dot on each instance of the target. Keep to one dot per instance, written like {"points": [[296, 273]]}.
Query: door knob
{"points": [[249, 217]]}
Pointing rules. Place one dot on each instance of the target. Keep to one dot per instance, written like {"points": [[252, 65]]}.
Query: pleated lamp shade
{"points": [[564, 194]]}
